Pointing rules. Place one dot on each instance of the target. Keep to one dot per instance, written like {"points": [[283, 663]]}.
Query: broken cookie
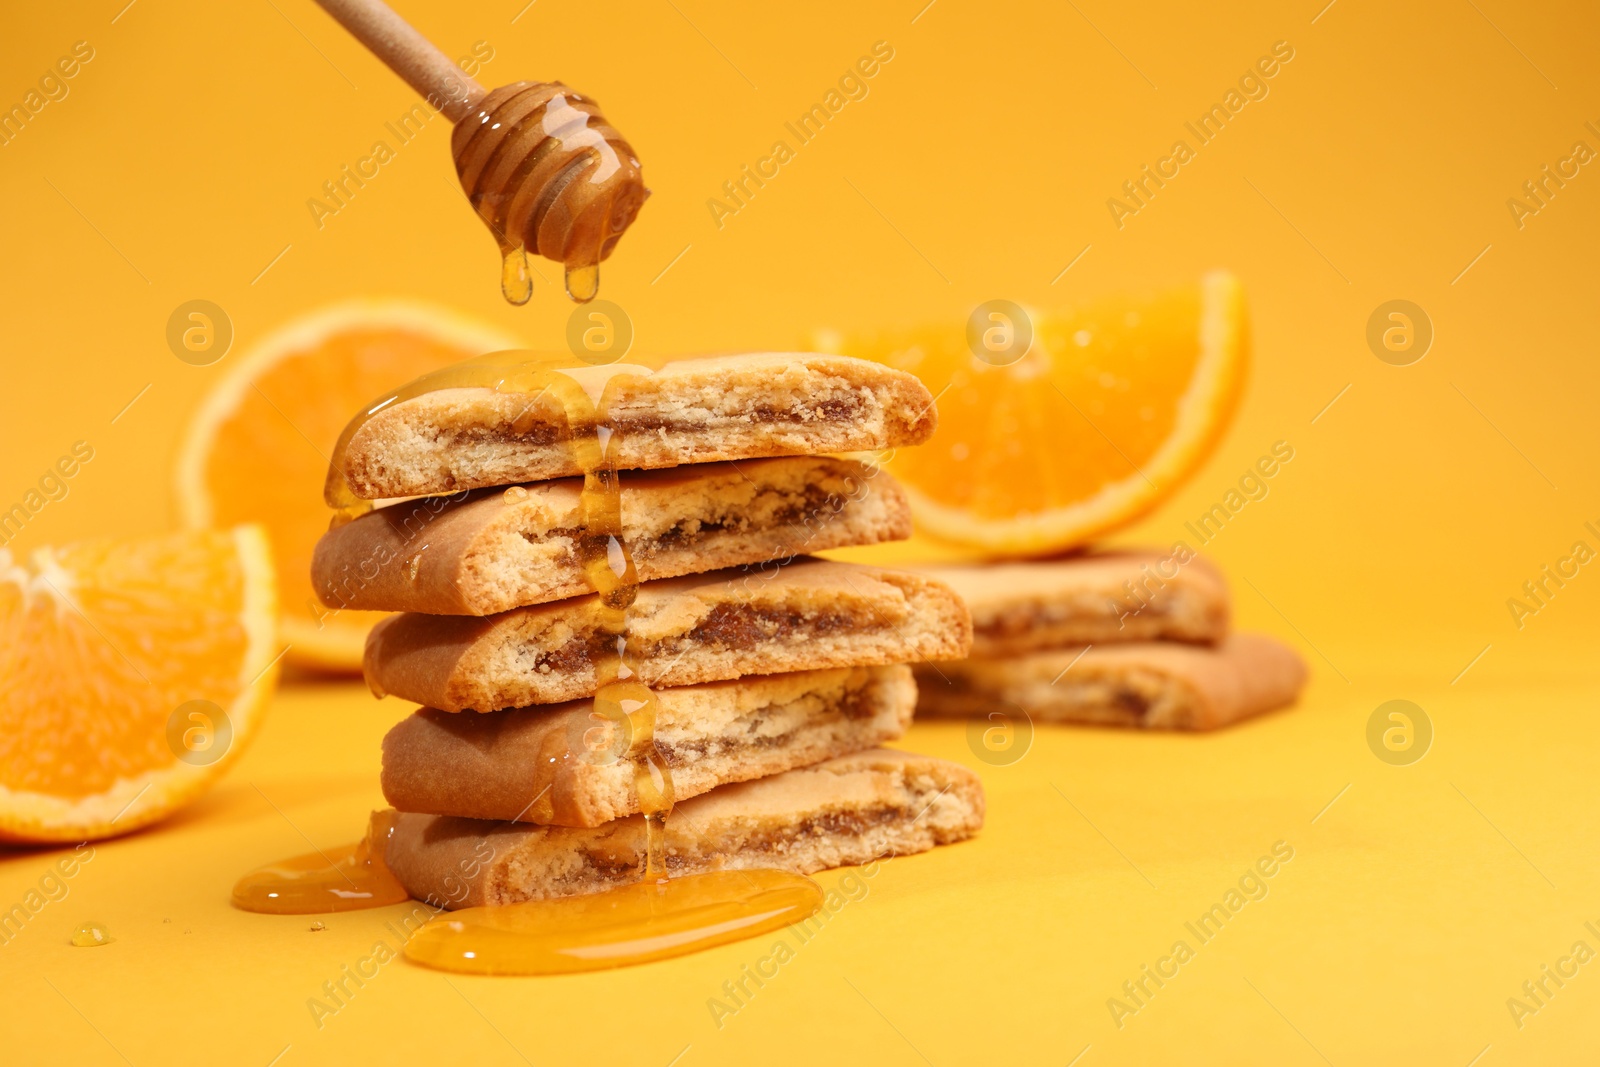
{"points": [[492, 550], [1150, 684], [807, 615], [844, 811], [569, 765], [447, 439]]}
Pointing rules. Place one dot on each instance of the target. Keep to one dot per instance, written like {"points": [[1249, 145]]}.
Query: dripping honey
{"points": [[608, 565], [504, 372], [548, 175], [653, 918]]}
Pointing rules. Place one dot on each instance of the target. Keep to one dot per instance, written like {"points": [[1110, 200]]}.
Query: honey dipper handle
{"points": [[409, 54]]}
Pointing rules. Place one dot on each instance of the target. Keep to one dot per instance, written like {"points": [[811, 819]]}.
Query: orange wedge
{"points": [[1096, 422], [258, 448], [131, 675]]}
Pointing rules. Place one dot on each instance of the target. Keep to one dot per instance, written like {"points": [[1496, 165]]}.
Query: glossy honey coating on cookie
{"points": [[548, 174]]}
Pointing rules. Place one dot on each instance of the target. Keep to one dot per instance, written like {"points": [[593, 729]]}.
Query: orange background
{"points": [[979, 165]]}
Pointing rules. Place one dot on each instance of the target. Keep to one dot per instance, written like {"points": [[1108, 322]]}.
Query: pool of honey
{"points": [[633, 924], [654, 918], [346, 878]]}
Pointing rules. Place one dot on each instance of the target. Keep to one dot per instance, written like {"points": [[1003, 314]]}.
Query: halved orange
{"points": [[258, 448], [1106, 413], [131, 675]]}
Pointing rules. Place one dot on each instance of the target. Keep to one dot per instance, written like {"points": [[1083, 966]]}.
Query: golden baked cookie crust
{"points": [[690, 411], [842, 812], [561, 765], [1090, 599], [492, 550], [1151, 684], [808, 615]]}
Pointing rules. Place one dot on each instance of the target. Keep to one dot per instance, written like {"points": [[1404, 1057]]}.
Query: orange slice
{"points": [[1101, 418], [258, 448], [131, 675]]}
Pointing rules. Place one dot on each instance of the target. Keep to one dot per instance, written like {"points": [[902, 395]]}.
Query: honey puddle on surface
{"points": [[655, 918], [347, 878], [636, 923]]}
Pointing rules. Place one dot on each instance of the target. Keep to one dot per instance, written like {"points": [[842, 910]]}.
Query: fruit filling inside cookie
{"points": [[848, 409], [838, 825], [773, 726], [728, 627], [771, 509]]}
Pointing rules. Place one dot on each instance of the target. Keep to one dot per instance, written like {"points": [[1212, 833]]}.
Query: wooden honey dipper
{"points": [[539, 163]]}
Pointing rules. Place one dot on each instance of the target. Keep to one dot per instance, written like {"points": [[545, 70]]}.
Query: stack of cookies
{"points": [[1130, 638], [776, 675]]}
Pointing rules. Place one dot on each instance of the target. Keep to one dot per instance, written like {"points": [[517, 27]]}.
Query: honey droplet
{"points": [[318, 927], [516, 283], [90, 935], [346, 878], [632, 924], [515, 494], [349, 513], [583, 283], [655, 836], [549, 175]]}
